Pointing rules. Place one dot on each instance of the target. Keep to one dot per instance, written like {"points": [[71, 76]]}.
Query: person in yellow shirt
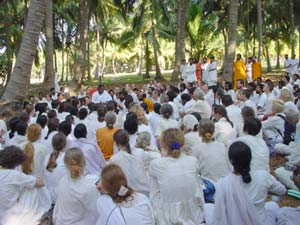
{"points": [[256, 69], [239, 70], [105, 135], [149, 102]]}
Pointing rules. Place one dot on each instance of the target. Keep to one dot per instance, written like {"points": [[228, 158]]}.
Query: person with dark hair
{"points": [[53, 125], [134, 208], [65, 127], [12, 127], [229, 91], [143, 98], [246, 101], [105, 135], [239, 70], [24, 116], [14, 185], [101, 95], [268, 89], [82, 116], [131, 126], [92, 154], [241, 195], [259, 149], [52, 114], [187, 101], [260, 98], [172, 95], [20, 137], [132, 167], [225, 130]]}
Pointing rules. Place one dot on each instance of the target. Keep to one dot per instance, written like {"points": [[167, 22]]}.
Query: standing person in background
{"points": [[183, 70], [293, 66], [198, 70], [191, 72], [256, 69], [287, 64], [212, 72], [249, 70], [204, 67], [239, 70]]}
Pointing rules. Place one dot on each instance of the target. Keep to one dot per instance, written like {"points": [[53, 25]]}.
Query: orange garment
{"points": [[149, 104], [199, 71], [105, 141], [256, 70], [239, 72]]}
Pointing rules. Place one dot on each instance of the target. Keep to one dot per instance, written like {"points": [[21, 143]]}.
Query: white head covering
{"points": [[189, 121]]}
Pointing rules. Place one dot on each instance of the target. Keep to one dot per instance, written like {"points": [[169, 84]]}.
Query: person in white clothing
{"points": [[101, 95], [20, 137], [293, 65], [52, 125], [54, 166], [130, 164], [212, 72], [261, 98], [92, 154], [288, 98], [229, 91], [12, 187], [176, 192], [287, 64], [211, 155], [183, 67], [259, 149], [224, 128], [241, 195], [245, 97], [190, 71], [249, 70], [154, 117], [268, 89], [76, 202], [119, 204]]}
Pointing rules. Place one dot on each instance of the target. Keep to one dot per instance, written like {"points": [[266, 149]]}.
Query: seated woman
{"points": [[119, 204], [176, 192], [211, 155], [76, 195], [224, 129], [241, 195], [12, 186], [131, 165]]}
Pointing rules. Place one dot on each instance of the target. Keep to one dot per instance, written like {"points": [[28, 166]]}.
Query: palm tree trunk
{"points": [[147, 58], [260, 29], [180, 35], [158, 75], [277, 54], [233, 17], [292, 18], [269, 67], [98, 51], [62, 50], [18, 85]]}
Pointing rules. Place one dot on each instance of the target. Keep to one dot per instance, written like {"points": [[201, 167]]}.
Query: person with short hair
{"points": [[119, 204], [20, 137], [256, 69], [239, 70], [101, 95], [170, 175], [245, 97], [77, 196]]}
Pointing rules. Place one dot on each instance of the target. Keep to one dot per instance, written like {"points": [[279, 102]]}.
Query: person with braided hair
{"points": [[241, 195]]}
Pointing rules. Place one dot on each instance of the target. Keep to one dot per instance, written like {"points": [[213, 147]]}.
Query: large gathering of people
{"points": [[191, 153]]}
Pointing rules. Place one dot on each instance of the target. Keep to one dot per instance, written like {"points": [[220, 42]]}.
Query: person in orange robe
{"points": [[239, 70], [198, 70], [256, 69]]}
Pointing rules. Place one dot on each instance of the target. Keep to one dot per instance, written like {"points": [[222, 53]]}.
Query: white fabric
{"points": [[290, 106], [175, 114], [249, 72], [212, 73], [134, 170], [261, 101], [104, 97], [231, 93], [3, 126], [92, 154], [189, 121], [284, 176], [76, 202], [271, 126], [224, 132], [294, 66], [137, 211], [202, 107], [192, 139], [288, 216], [234, 114], [154, 119], [250, 104], [205, 72], [93, 126], [270, 97], [212, 159], [165, 124], [48, 142], [16, 141], [259, 150], [190, 72], [53, 178], [182, 71], [176, 192]]}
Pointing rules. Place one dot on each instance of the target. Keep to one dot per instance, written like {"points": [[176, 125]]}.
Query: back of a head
{"points": [[143, 140], [164, 98], [131, 125], [247, 93], [42, 120], [110, 106], [185, 97], [227, 100], [278, 105], [172, 140], [24, 116], [172, 95], [252, 126], [59, 141], [52, 114], [21, 128], [65, 127], [114, 182], [11, 157], [33, 132], [80, 131], [166, 111], [110, 119], [240, 157], [206, 130], [190, 122], [198, 94], [83, 113], [75, 162], [247, 112], [156, 107], [292, 116], [53, 124], [121, 137]]}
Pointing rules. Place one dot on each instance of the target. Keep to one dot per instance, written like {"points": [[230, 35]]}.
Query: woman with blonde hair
{"points": [[211, 154], [119, 204], [288, 98], [54, 166], [176, 192], [76, 195], [143, 122]]}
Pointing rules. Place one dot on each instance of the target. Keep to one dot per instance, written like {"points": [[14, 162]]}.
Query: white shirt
{"points": [[165, 124], [271, 126], [104, 97], [190, 71], [259, 150], [175, 114], [224, 132], [212, 73], [76, 202], [137, 211], [270, 98], [212, 160], [234, 114], [261, 101], [205, 72], [16, 141], [290, 106], [176, 194], [249, 72], [250, 104], [231, 93], [294, 66], [202, 107], [154, 119], [183, 72]]}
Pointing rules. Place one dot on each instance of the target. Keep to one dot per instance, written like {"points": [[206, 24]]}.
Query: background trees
{"points": [[85, 40]]}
